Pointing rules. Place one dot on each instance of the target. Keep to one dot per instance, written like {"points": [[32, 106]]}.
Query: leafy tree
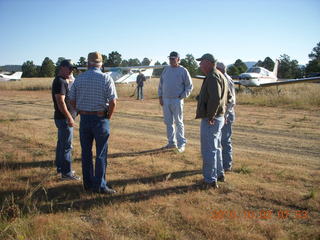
{"points": [[237, 68], [60, 59], [284, 67], [47, 68], [289, 68], [190, 63], [241, 66], [134, 62], [313, 65], [82, 62], [157, 72], [38, 71], [114, 59], [296, 70], [267, 63], [124, 63], [145, 62], [233, 70], [258, 64], [104, 60], [315, 54], [29, 69]]}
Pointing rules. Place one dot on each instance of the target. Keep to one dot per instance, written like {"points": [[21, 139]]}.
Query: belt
{"points": [[98, 113]]}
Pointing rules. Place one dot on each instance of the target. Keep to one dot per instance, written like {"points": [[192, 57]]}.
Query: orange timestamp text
{"points": [[259, 214]]}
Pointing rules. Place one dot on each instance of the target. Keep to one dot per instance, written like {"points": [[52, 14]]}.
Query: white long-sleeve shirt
{"points": [[175, 82], [232, 102]]}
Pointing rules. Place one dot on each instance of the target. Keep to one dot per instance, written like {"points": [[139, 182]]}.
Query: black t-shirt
{"points": [[60, 86]]}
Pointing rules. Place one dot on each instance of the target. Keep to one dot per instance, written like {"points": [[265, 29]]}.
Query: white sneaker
{"points": [[181, 149]]}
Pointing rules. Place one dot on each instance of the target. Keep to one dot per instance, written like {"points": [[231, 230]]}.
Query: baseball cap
{"points": [[208, 57], [67, 63], [174, 55], [95, 57], [220, 65]]}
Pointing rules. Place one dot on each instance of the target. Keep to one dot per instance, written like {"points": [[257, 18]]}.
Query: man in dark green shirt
{"points": [[211, 107]]}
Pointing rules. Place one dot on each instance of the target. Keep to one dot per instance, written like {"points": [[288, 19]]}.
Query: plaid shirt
{"points": [[92, 90]]}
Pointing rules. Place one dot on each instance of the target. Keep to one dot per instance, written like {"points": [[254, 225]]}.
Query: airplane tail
{"points": [[15, 76], [275, 69], [149, 72]]}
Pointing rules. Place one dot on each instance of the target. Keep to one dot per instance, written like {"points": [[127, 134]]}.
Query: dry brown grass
{"points": [[276, 163], [299, 96]]}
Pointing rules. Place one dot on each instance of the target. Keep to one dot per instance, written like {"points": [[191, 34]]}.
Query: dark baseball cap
{"points": [[208, 57], [174, 55], [67, 63]]}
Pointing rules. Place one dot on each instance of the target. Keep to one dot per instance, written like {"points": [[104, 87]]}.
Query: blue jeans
{"points": [[173, 115], [226, 141], [95, 128], [210, 137], [64, 147], [139, 92]]}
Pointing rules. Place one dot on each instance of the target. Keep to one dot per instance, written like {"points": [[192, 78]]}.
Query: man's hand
{"points": [[211, 121], [161, 101], [70, 122], [112, 106]]}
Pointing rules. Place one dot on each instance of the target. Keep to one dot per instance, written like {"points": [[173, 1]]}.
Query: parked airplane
{"points": [[119, 77], [10, 77], [261, 77]]}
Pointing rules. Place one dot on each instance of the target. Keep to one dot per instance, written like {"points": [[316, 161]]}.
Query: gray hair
{"points": [[221, 66]]}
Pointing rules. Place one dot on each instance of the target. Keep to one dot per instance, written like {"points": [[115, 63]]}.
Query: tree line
{"points": [[288, 68]]}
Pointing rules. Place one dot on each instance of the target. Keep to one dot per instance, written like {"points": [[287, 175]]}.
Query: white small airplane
{"points": [[116, 73], [261, 77], [10, 77]]}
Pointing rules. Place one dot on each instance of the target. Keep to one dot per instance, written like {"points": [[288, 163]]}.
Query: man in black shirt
{"points": [[64, 119], [140, 79]]}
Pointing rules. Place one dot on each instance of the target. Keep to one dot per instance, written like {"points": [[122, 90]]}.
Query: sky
{"points": [[249, 30]]}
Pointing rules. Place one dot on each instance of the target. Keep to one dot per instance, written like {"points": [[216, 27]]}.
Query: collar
{"points": [[94, 68]]}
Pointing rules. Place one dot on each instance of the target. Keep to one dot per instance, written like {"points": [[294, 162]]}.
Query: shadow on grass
{"points": [[21, 119], [13, 165], [72, 196], [139, 153], [19, 165], [103, 200]]}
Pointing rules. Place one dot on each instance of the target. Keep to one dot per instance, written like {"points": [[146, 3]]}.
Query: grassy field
{"points": [[273, 192], [298, 96]]}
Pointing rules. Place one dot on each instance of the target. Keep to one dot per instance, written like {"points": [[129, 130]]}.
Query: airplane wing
{"points": [[133, 67], [290, 81], [118, 77], [203, 77], [127, 68], [199, 77], [127, 78]]}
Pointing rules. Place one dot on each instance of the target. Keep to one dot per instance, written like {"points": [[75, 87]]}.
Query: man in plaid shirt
{"points": [[94, 96]]}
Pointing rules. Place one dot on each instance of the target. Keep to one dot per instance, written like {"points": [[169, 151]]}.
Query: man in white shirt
{"points": [[230, 117]]}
